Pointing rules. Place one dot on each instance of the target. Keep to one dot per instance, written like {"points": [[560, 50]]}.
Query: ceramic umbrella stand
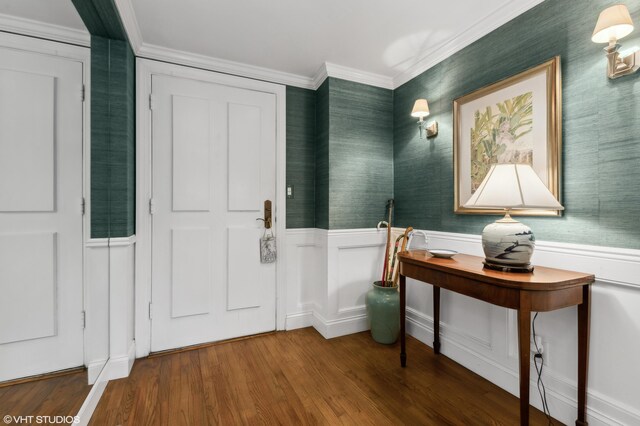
{"points": [[383, 311]]}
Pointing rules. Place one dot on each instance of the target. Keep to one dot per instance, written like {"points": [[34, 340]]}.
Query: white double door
{"points": [[41, 115], [213, 166]]}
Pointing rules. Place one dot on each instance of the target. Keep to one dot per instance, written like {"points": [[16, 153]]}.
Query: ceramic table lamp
{"points": [[507, 242]]}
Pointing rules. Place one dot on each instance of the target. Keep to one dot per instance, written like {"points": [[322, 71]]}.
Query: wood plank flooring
{"points": [[298, 377], [56, 396]]}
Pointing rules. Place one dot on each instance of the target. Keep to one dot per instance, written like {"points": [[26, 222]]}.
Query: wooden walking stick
{"points": [[386, 251], [393, 257], [396, 271]]}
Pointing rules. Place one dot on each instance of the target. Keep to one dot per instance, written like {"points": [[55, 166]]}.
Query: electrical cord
{"points": [[541, 389]]}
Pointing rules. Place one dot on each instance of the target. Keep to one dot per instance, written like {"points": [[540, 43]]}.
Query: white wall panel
{"points": [[27, 286], [191, 134], [467, 316], [27, 154], [357, 269], [190, 272], [244, 158], [483, 337], [244, 289]]}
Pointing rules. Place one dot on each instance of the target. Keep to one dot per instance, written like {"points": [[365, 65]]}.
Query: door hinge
{"points": [[84, 319], [83, 92], [83, 206], [150, 310], [152, 206], [151, 102]]}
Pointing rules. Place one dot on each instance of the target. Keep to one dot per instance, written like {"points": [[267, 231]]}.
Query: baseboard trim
{"points": [[120, 367], [299, 320], [94, 369], [93, 398], [340, 327], [563, 404]]}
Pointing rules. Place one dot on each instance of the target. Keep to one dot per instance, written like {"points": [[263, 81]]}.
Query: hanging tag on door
{"points": [[268, 247]]}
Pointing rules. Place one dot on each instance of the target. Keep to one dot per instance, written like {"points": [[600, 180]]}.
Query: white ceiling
{"points": [[383, 37], [379, 42]]}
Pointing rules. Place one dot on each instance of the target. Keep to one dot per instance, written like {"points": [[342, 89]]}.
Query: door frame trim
{"points": [[71, 52], [145, 68]]}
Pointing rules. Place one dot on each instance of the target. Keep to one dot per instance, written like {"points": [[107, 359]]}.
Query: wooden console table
{"points": [[545, 289]]}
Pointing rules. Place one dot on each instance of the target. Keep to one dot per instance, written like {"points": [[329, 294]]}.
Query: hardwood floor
{"points": [[55, 396], [298, 377]]}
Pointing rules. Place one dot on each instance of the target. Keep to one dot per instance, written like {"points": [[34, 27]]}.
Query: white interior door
{"points": [[214, 165], [40, 214]]}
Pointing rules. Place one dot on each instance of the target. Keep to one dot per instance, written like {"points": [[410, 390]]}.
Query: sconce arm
{"points": [[618, 66]]}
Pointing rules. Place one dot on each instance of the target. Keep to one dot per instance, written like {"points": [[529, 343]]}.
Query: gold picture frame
{"points": [[516, 120]]}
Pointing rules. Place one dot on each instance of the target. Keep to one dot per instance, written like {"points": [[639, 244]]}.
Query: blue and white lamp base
{"points": [[507, 242]]}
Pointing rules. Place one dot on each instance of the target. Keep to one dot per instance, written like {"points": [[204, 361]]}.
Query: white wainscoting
{"points": [[329, 272], [328, 275], [110, 277]]}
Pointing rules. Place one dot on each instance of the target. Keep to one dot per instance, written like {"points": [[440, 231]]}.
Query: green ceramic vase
{"points": [[383, 310]]}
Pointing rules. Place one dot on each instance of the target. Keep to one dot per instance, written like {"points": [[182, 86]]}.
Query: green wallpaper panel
{"points": [[301, 132], [322, 156], [122, 139], [101, 18], [601, 119], [112, 138], [360, 153], [100, 170]]}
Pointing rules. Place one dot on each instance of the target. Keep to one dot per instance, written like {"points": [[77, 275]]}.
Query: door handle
{"points": [[267, 214]]}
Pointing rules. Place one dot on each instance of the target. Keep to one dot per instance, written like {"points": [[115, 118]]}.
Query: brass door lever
{"points": [[267, 215]]}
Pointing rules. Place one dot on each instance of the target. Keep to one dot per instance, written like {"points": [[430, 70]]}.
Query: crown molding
{"points": [[320, 76], [29, 27], [179, 57], [491, 22], [358, 76], [128, 17]]}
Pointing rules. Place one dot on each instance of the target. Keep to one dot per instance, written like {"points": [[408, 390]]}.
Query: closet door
{"points": [[41, 327], [214, 166]]}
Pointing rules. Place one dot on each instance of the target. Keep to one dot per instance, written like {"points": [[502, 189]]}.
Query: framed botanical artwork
{"points": [[516, 120]]}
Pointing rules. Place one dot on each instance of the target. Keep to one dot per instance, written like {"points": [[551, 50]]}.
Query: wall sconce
{"points": [[421, 110], [613, 24]]}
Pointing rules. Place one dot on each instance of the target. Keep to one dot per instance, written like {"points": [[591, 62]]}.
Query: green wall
{"points": [[354, 154], [112, 121], [301, 131], [322, 156], [601, 123]]}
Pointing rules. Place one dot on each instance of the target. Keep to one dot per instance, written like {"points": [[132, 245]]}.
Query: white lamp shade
{"points": [[513, 186], [613, 24], [420, 108]]}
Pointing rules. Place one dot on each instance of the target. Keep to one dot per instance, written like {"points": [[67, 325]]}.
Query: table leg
{"points": [[583, 353], [403, 309], [436, 320], [524, 341]]}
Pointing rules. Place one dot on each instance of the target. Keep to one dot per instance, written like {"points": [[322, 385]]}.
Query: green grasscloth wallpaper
{"points": [[301, 168], [341, 163], [360, 153], [601, 127], [350, 131], [112, 121]]}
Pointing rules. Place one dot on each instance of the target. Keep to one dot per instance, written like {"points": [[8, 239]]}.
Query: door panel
{"points": [[191, 267], [26, 99], [191, 165], [40, 214], [244, 158], [213, 166]]}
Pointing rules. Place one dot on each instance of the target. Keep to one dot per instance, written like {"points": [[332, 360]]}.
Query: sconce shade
{"points": [[420, 108], [613, 24], [513, 186]]}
